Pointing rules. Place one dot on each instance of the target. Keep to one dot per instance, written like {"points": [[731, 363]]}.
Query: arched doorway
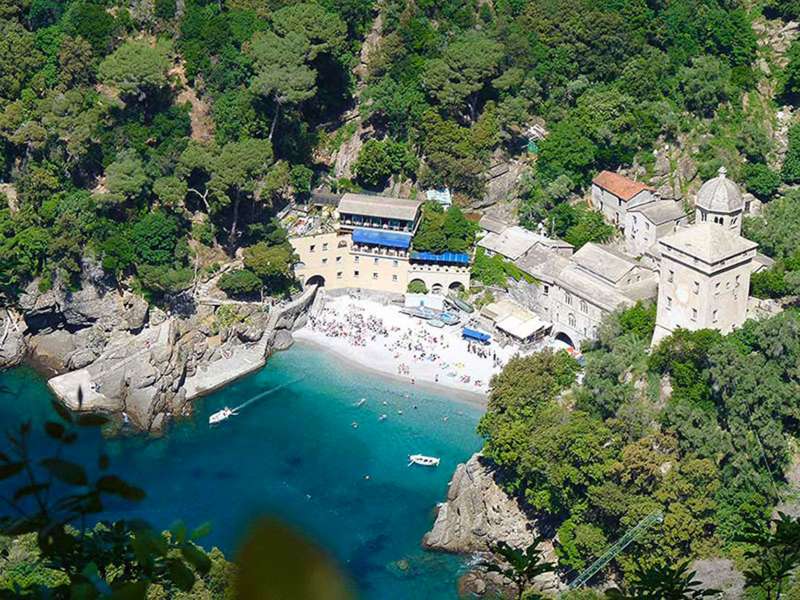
{"points": [[317, 280], [417, 286], [563, 337], [437, 288], [456, 286]]}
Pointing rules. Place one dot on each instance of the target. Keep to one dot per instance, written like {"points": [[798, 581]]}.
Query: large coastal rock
{"points": [[152, 375], [13, 345], [477, 513]]}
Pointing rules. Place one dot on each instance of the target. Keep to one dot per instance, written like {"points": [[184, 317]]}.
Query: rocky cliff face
{"points": [[128, 358], [13, 346], [477, 513]]}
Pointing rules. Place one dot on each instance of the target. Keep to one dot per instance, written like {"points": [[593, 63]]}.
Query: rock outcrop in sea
{"points": [[126, 356], [477, 514]]}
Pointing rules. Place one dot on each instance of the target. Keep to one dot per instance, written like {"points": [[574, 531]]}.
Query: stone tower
{"points": [[704, 278], [720, 201]]}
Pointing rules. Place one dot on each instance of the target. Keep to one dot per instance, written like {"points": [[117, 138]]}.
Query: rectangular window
{"points": [[375, 260], [312, 247], [714, 315], [694, 314], [716, 288], [324, 261], [355, 260], [338, 259], [669, 303], [696, 287], [355, 273], [737, 280], [546, 290], [374, 275], [339, 275], [324, 247], [395, 263], [394, 277], [671, 276]]}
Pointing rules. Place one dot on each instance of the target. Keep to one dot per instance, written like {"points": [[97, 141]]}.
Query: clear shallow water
{"points": [[294, 454]]}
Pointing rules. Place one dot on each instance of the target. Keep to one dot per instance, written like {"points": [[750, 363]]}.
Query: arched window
{"points": [[584, 308], [571, 320]]}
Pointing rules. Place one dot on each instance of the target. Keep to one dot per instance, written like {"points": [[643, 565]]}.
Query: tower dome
{"points": [[720, 195], [720, 201]]}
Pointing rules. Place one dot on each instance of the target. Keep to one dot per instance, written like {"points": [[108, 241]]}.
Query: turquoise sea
{"points": [[295, 454]]}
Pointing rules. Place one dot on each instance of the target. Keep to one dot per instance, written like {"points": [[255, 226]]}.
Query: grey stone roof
{"points": [[379, 206], [491, 224], [660, 212], [592, 290], [604, 261], [708, 242], [720, 195], [511, 243], [542, 263]]}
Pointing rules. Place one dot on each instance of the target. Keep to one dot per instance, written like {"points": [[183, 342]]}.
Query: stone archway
{"points": [[317, 280], [456, 286], [564, 337]]}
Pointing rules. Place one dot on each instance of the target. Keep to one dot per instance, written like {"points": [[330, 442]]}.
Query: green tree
{"points": [[378, 160], [241, 282], [154, 238], [776, 230], [761, 181], [126, 176], [281, 72], [521, 567], [274, 265], [791, 164], [705, 84], [776, 555], [668, 582], [137, 69], [456, 79]]}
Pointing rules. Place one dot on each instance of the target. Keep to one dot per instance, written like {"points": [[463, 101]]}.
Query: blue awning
{"points": [[389, 239], [452, 258], [474, 334]]}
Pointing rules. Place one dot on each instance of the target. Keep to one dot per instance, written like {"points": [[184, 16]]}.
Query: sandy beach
{"points": [[379, 337]]}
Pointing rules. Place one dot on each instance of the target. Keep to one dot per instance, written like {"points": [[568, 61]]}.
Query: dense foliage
{"points": [[709, 452]]}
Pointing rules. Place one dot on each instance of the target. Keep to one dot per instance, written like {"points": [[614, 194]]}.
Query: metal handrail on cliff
{"points": [[611, 553]]}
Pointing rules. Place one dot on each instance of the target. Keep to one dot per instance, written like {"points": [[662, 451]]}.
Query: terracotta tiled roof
{"points": [[619, 185]]}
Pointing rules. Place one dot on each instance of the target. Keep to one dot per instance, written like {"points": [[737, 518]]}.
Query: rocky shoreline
{"points": [[477, 514], [135, 360]]}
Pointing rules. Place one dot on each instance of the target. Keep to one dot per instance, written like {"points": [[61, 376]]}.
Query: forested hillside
{"points": [[158, 136], [703, 430]]}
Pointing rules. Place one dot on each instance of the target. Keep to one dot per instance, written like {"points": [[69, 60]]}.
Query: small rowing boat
{"points": [[222, 415], [423, 461]]}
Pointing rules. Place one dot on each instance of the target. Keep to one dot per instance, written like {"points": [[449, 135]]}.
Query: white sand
{"points": [[437, 356]]}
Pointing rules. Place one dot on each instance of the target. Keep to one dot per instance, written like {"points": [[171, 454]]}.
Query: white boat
{"points": [[221, 415], [360, 403], [424, 461]]}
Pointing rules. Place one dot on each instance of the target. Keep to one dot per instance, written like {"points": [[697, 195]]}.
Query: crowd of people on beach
{"points": [[355, 326], [409, 345]]}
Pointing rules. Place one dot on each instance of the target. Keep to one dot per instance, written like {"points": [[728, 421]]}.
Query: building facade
{"points": [[576, 293], [614, 195], [704, 279], [371, 250]]}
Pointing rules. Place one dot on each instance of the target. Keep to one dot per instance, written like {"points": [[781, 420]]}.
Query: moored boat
{"points": [[423, 461], [438, 323]]}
